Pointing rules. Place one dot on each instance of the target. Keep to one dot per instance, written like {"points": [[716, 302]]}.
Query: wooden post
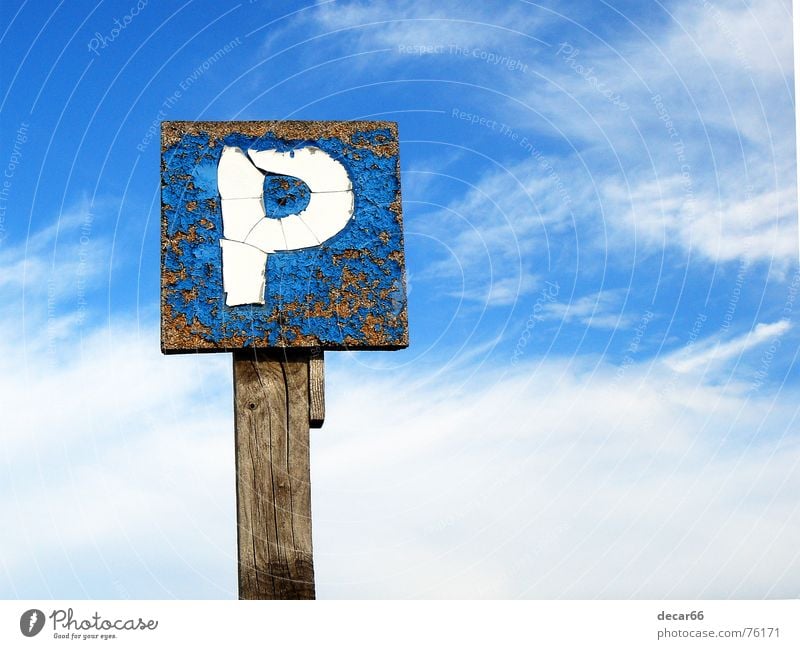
{"points": [[273, 480], [316, 388]]}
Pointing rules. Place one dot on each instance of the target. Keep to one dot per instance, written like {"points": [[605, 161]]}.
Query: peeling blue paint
{"points": [[284, 195], [349, 292]]}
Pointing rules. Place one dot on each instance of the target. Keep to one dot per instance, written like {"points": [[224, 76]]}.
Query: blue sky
{"points": [[600, 398]]}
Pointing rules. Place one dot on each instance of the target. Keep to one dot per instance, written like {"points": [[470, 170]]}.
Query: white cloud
{"points": [[115, 455], [703, 160], [745, 184], [405, 25], [497, 235], [749, 37], [118, 465], [555, 480], [601, 310], [759, 227], [504, 291], [717, 351], [56, 258]]}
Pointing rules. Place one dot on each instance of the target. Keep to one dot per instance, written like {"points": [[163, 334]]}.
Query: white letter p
{"points": [[249, 235]]}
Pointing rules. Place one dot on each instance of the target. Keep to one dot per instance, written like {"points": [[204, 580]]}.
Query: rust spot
{"points": [[189, 294], [171, 277], [384, 237], [290, 307], [177, 333], [199, 327], [347, 254], [191, 236], [305, 340], [396, 205], [236, 341], [343, 309], [172, 132], [353, 280], [191, 205], [208, 225]]}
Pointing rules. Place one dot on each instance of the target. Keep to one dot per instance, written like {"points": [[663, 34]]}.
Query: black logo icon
{"points": [[31, 622]]}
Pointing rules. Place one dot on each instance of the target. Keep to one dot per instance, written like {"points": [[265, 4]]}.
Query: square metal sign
{"points": [[281, 234]]}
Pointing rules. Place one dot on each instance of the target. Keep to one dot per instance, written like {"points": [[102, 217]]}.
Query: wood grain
{"points": [[273, 479], [316, 388]]}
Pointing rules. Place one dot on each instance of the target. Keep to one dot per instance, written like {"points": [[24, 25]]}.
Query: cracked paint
{"points": [[348, 292]]}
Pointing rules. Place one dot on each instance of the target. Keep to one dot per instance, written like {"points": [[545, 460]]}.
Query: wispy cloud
{"points": [[495, 234], [755, 228], [717, 351], [548, 480], [601, 310], [59, 255], [702, 159], [555, 480], [417, 28], [114, 455]]}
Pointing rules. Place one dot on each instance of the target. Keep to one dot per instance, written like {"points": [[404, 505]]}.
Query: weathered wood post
{"points": [[273, 475], [280, 240]]}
